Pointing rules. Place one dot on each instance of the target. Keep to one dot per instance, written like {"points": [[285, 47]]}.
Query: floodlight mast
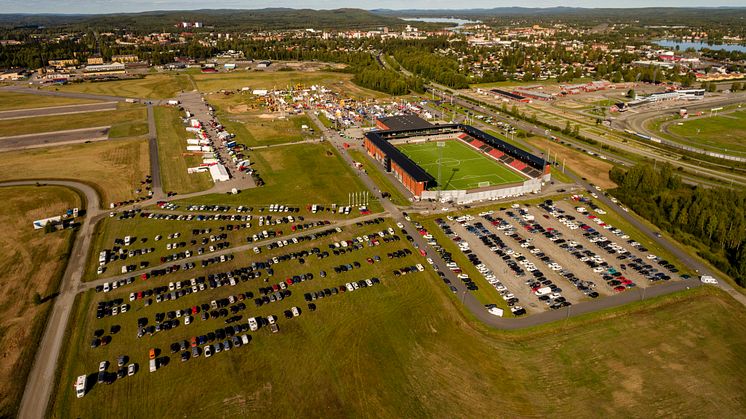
{"points": [[441, 145]]}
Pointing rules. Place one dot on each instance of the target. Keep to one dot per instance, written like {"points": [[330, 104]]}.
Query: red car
{"points": [[619, 288]]}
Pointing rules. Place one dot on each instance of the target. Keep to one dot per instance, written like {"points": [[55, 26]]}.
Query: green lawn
{"points": [[172, 136], [404, 349], [13, 100], [723, 133], [297, 175], [153, 86], [110, 229], [253, 131], [381, 180], [462, 167], [127, 121]]}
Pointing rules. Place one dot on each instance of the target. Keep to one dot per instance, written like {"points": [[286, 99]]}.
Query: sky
{"points": [[113, 6]]}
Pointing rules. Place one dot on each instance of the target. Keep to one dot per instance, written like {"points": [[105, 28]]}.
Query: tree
{"points": [[631, 93], [567, 128], [37, 298]]}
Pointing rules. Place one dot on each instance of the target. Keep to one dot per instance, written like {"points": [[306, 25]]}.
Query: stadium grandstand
{"points": [[455, 162]]}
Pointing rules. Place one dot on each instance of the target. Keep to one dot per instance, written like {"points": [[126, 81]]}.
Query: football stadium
{"points": [[453, 162]]}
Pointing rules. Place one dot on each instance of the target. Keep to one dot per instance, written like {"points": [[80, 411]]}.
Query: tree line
{"points": [[712, 220]]}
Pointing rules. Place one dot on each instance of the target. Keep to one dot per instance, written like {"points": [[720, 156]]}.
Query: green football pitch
{"points": [[461, 167]]}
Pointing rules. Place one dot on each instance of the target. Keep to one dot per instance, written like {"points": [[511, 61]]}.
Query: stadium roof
{"points": [[404, 122], [417, 173]]}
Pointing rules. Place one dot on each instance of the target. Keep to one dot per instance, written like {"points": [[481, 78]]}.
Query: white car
{"points": [[208, 351], [131, 370], [400, 225], [430, 261], [187, 320], [295, 311], [706, 279], [103, 365], [253, 324]]}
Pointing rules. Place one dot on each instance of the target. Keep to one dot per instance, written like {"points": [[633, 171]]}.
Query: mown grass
{"points": [[152, 86], [383, 182], [127, 121], [723, 133], [114, 168], [13, 100], [33, 262], [404, 349], [173, 157], [297, 175], [253, 131]]}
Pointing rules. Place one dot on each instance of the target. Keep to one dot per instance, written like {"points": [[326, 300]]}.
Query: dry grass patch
{"points": [[595, 170], [32, 262], [114, 167]]}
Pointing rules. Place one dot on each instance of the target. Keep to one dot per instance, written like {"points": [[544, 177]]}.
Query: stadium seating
{"points": [[496, 153], [518, 165]]}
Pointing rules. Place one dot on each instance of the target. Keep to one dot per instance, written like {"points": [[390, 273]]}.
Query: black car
{"points": [[184, 356]]}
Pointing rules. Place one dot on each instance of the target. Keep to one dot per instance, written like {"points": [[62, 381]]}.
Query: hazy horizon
{"points": [[135, 6]]}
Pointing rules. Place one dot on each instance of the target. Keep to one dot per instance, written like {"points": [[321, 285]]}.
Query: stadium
{"points": [[453, 162]]}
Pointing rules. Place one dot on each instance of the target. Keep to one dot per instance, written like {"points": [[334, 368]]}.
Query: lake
{"points": [[668, 43], [459, 22]]}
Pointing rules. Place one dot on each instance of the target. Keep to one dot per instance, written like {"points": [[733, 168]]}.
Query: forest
{"points": [[712, 220]]}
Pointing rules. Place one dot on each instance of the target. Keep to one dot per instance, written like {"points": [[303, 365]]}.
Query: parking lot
{"points": [[552, 255], [170, 326]]}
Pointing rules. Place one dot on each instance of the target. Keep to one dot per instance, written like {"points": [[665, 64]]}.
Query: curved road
{"points": [[42, 376]]}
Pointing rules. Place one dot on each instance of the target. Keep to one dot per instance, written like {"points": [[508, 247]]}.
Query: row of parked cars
{"points": [[496, 245]]}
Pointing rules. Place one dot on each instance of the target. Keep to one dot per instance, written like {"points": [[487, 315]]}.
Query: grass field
{"points": [[127, 121], [110, 229], [404, 349], [172, 136], [591, 168], [152, 86], [382, 181], [115, 168], [282, 80], [296, 175], [13, 100], [723, 133], [462, 167], [32, 262], [254, 131]]}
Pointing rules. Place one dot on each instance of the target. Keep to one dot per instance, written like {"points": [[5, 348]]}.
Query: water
{"points": [[459, 22], [668, 43]]}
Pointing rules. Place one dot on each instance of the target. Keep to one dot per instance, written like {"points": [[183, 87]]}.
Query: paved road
{"points": [[42, 375], [58, 110], [41, 378], [631, 147], [56, 138], [74, 95], [155, 165]]}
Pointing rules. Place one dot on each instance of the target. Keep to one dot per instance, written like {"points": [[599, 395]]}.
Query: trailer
{"points": [[153, 365], [173, 102]]}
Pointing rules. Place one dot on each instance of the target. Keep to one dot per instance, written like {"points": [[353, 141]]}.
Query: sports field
{"points": [[461, 166], [723, 133]]}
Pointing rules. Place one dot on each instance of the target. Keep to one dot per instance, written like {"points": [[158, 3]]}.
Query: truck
{"points": [[173, 102], [543, 291], [80, 386]]}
